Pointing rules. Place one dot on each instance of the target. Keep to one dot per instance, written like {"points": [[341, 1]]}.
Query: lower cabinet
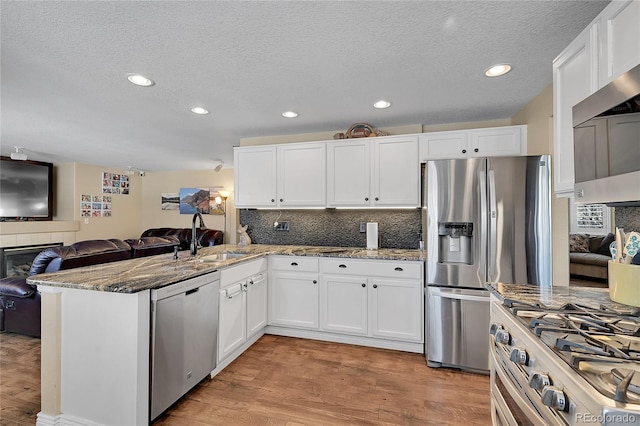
{"points": [[293, 292], [242, 305], [382, 299]]}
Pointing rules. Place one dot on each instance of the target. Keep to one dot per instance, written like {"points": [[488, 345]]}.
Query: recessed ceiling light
{"points": [[497, 70], [290, 114], [199, 110], [382, 104], [140, 80]]}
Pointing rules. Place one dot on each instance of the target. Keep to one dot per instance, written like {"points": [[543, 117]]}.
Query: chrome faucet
{"points": [[194, 235]]}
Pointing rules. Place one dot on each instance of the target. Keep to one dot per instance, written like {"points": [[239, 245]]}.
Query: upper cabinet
{"points": [[381, 171], [619, 34], [286, 176], [607, 48], [489, 142], [575, 76]]}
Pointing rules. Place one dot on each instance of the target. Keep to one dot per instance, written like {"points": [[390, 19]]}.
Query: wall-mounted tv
{"points": [[26, 190]]}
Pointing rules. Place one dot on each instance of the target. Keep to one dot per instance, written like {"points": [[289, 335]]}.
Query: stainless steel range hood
{"points": [[606, 129]]}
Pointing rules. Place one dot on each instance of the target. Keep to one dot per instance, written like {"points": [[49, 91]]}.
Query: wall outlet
{"points": [[363, 227], [282, 226]]}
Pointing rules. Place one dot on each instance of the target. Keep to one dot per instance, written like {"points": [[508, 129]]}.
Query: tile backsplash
{"points": [[628, 218], [334, 227]]}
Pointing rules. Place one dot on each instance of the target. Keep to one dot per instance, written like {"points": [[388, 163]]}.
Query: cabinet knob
{"points": [[475, 150], [366, 198], [315, 282], [377, 198], [273, 200], [375, 286], [364, 285], [464, 151], [281, 200], [251, 282]]}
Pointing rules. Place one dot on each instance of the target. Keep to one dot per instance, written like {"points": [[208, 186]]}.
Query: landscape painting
{"points": [[194, 200], [170, 201]]}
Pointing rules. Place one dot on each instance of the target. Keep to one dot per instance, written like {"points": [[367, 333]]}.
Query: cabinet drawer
{"points": [[240, 272], [378, 268], [294, 263]]}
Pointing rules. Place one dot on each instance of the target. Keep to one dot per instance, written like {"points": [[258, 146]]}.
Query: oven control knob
{"points": [[502, 336], [555, 398], [538, 381], [519, 356], [494, 327]]}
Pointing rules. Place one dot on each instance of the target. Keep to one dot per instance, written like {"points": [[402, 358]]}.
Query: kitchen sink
{"points": [[220, 257]]}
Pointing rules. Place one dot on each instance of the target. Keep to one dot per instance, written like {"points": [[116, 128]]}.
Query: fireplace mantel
{"points": [[14, 234]]}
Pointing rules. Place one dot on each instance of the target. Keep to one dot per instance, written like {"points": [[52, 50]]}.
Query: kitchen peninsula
{"points": [[97, 320]]}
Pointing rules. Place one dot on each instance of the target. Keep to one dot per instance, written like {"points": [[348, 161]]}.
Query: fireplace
{"points": [[16, 261]]}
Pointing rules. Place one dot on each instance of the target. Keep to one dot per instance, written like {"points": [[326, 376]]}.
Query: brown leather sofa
{"points": [[205, 237], [20, 302]]}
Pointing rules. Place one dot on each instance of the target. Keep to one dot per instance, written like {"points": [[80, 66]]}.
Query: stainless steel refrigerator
{"points": [[483, 220]]}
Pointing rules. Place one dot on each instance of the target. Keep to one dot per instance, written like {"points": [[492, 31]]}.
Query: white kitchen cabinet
{"points": [[381, 299], [619, 35], [255, 176], [344, 304], [373, 172], [302, 175], [575, 76], [397, 305], [242, 305], [487, 142], [294, 292], [287, 175]]}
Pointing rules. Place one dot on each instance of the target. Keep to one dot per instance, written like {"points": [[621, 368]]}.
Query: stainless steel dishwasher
{"points": [[184, 336]]}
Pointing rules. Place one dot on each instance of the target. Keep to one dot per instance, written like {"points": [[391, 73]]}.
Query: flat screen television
{"points": [[26, 190]]}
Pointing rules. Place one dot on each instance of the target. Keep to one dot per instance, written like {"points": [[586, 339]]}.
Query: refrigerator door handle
{"points": [[482, 179], [457, 295], [493, 267]]}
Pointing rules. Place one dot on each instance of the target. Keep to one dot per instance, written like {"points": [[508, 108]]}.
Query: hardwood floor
{"points": [[288, 381]]}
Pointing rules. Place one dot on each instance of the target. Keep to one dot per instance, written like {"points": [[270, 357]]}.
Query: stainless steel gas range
{"points": [[566, 365]]}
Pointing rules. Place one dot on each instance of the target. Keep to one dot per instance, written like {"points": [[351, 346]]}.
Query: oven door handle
{"points": [[515, 394]]}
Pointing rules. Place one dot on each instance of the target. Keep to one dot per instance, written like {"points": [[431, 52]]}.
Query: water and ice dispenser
{"points": [[455, 242]]}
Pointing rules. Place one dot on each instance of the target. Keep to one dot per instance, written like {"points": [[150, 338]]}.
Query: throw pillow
{"points": [[604, 246], [579, 243]]}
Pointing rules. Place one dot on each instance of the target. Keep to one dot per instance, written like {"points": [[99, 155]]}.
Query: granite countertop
{"points": [[555, 297], [134, 275]]}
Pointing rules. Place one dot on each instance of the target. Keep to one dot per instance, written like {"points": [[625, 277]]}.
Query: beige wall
{"points": [[538, 116], [126, 216], [156, 183]]}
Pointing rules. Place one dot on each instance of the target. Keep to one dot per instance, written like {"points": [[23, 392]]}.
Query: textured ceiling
{"points": [[65, 97]]}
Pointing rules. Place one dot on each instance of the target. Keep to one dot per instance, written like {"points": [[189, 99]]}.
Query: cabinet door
{"points": [[619, 32], [255, 176], [575, 75], [396, 172], [302, 175], [397, 309], [591, 157], [256, 304], [294, 300], [443, 145], [348, 173], [498, 141], [343, 304], [232, 324]]}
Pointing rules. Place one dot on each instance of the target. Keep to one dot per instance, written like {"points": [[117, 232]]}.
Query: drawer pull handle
{"points": [[294, 264], [193, 290], [342, 265], [399, 269]]}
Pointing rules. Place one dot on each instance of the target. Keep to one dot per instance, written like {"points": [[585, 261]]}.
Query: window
{"points": [[592, 219]]}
